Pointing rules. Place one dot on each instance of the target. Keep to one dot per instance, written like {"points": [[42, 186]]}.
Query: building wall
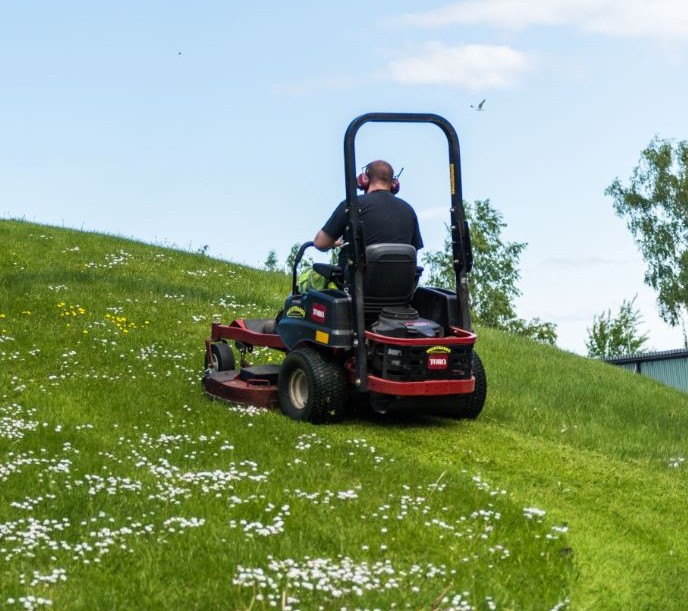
{"points": [[672, 372], [669, 368]]}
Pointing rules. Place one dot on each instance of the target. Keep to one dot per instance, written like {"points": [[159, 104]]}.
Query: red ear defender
{"points": [[363, 181]]}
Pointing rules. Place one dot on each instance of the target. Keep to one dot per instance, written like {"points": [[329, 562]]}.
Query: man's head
{"points": [[378, 175]]}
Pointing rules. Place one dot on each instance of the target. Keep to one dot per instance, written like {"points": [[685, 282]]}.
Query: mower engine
{"points": [[405, 322], [411, 358]]}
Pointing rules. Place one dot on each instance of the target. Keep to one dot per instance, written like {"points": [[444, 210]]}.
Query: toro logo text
{"points": [[438, 357], [318, 313]]}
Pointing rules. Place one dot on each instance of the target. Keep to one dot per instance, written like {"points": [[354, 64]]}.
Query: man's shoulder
{"points": [[402, 202], [340, 209], [384, 201], [382, 196]]}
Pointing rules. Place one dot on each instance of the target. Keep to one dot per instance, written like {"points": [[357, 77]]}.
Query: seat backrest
{"points": [[389, 278]]}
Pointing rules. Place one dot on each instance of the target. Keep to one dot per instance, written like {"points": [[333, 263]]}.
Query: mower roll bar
{"points": [[297, 260], [461, 247]]}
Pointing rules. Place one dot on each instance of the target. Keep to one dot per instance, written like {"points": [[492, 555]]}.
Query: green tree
{"points": [[291, 257], [545, 332], [307, 260], [271, 263], [655, 208], [612, 336], [493, 280]]}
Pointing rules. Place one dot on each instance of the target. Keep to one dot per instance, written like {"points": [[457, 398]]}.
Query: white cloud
{"points": [[476, 67], [663, 19], [503, 13], [660, 18]]}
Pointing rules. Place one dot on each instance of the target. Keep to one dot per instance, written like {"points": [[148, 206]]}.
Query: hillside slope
{"points": [[123, 486]]}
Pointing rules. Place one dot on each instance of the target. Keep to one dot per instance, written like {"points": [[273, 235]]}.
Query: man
{"points": [[385, 217]]}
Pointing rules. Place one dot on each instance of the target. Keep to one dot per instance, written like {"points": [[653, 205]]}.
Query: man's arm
{"points": [[324, 241], [330, 235]]}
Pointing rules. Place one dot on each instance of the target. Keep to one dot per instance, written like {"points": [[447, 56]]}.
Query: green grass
{"points": [[124, 487]]}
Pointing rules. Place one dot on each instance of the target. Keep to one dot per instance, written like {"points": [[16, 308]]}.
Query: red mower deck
{"points": [[229, 386]]}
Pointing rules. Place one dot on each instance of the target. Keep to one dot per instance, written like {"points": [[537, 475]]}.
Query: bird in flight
{"points": [[479, 106]]}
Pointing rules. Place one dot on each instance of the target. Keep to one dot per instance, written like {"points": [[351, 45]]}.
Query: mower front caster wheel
{"points": [[222, 358], [311, 387]]}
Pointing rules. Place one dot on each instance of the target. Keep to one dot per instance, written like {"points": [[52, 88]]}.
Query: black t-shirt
{"points": [[385, 219]]}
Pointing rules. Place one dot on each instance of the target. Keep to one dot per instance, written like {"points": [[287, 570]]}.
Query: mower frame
{"points": [[460, 238], [326, 329]]}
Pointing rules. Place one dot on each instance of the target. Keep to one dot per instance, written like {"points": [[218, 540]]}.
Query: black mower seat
{"points": [[390, 277]]}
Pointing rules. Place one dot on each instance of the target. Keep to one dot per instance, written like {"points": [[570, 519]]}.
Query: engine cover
{"points": [[405, 322]]}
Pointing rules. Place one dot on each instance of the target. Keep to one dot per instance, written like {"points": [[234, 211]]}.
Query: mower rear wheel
{"points": [[469, 406], [311, 386], [222, 358]]}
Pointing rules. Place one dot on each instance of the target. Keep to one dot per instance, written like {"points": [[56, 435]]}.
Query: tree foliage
{"points": [[271, 264], [612, 336], [655, 208], [306, 261], [493, 280], [291, 257]]}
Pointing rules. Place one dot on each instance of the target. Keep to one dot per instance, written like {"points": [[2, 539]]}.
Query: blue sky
{"points": [[221, 124]]}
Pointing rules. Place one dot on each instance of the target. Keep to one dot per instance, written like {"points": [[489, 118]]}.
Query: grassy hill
{"points": [[124, 487]]}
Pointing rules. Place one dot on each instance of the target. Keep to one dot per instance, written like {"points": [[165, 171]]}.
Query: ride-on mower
{"points": [[377, 338]]}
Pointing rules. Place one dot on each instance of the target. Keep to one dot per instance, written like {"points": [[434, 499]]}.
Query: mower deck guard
{"points": [[259, 390]]}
